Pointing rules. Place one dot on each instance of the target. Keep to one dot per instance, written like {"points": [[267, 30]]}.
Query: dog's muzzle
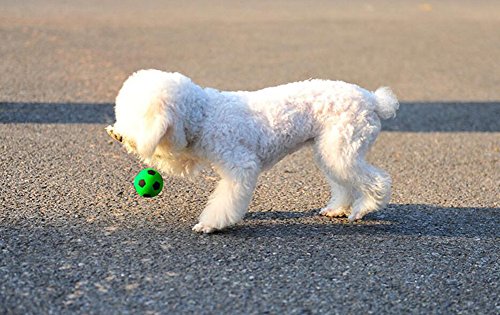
{"points": [[112, 134]]}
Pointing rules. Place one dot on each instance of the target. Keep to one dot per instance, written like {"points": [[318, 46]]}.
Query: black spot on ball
{"points": [[151, 172], [147, 195], [156, 185], [142, 183]]}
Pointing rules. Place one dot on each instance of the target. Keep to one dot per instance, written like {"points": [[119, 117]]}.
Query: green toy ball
{"points": [[148, 183]]}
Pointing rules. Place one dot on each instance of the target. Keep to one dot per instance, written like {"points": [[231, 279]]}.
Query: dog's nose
{"points": [[109, 129], [112, 134]]}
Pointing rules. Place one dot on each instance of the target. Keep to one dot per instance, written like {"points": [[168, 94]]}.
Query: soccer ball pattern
{"points": [[148, 183]]}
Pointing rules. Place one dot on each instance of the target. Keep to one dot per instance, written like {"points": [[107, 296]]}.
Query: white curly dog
{"points": [[179, 127]]}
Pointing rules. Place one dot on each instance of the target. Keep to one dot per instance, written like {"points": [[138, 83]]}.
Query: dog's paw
{"points": [[334, 213], [355, 216], [202, 228]]}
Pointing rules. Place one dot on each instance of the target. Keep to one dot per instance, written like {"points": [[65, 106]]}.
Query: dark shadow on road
{"points": [[446, 117], [56, 113], [395, 220], [412, 117], [414, 220], [131, 259]]}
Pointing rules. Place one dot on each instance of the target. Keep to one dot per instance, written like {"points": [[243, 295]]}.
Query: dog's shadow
{"points": [[412, 219]]}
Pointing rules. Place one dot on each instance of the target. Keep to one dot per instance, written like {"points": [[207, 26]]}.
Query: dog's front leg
{"points": [[229, 202]]}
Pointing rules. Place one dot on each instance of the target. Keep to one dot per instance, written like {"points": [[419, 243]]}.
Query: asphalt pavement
{"points": [[76, 239]]}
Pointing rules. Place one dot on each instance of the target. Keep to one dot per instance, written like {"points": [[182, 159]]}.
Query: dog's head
{"points": [[147, 113]]}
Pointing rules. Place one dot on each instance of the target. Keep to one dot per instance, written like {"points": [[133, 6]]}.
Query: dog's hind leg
{"points": [[374, 186], [229, 202], [341, 150], [341, 195]]}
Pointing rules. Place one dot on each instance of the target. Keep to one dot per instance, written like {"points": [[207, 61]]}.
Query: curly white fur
{"points": [[178, 127]]}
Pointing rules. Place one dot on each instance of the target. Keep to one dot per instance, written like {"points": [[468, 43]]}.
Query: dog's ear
{"points": [[146, 110], [178, 137], [158, 127], [150, 135]]}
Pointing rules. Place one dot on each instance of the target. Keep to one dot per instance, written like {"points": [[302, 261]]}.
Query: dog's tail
{"points": [[386, 103]]}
